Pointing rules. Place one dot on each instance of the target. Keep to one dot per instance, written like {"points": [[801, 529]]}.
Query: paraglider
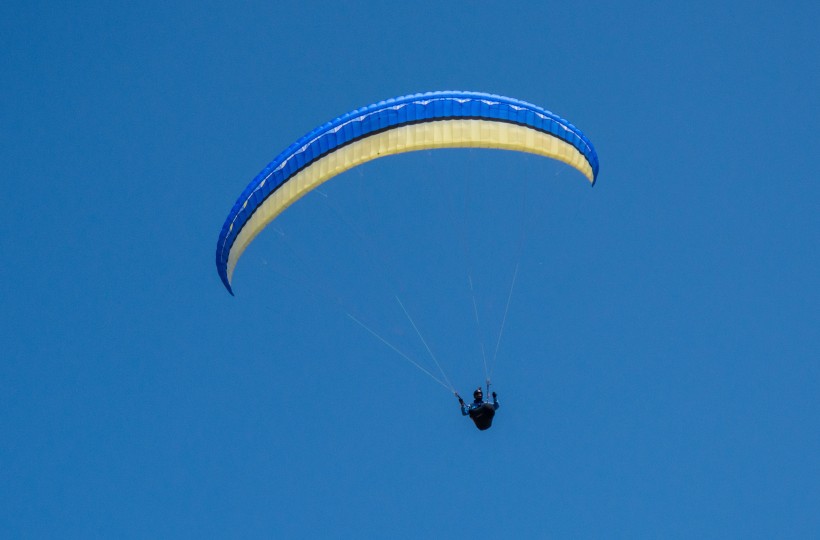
{"points": [[449, 119], [404, 124], [481, 412]]}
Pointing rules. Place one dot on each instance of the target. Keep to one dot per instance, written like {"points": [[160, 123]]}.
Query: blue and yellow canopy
{"points": [[403, 124]]}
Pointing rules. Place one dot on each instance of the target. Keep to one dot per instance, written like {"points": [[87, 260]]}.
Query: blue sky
{"points": [[658, 370]]}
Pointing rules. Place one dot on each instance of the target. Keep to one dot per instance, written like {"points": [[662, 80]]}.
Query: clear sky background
{"points": [[658, 369]]}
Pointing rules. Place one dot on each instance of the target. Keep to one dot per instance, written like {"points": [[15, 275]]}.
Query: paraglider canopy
{"points": [[416, 122]]}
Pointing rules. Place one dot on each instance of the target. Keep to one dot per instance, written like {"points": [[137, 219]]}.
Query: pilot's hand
{"points": [[495, 395]]}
